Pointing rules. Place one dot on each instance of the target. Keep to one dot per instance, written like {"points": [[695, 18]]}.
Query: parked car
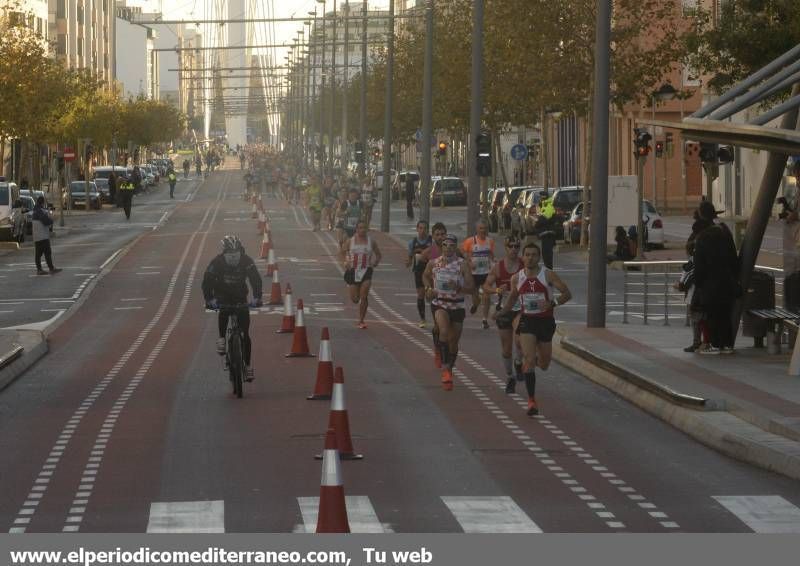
{"points": [[651, 219], [450, 189], [399, 184], [35, 196], [27, 211], [527, 202], [565, 199], [12, 219], [495, 203], [77, 195]]}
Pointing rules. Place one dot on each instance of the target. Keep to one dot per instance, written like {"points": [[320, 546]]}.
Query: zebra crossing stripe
{"points": [[360, 514], [763, 513], [490, 515], [187, 517]]}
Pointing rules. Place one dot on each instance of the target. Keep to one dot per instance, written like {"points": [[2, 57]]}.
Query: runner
{"points": [[328, 203], [416, 246], [439, 231], [479, 250], [499, 283], [534, 287], [349, 213], [367, 198], [446, 279], [314, 202], [360, 254]]}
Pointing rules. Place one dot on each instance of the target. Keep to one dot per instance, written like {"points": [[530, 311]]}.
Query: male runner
{"points": [[439, 231], [421, 242], [360, 255], [479, 250], [533, 286], [446, 279], [498, 283]]}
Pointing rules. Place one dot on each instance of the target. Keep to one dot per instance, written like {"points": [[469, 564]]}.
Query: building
{"points": [[137, 62], [33, 14], [84, 35]]}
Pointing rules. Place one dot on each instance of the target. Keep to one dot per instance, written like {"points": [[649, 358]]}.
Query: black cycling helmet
{"points": [[231, 243]]}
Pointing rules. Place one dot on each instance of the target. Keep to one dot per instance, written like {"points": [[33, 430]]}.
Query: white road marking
{"points": [[110, 259], [490, 515], [763, 513], [360, 514], [187, 517], [136, 299], [127, 308], [148, 272]]}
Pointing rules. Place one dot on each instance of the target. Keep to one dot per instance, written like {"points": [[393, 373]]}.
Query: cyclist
{"points": [[225, 283]]}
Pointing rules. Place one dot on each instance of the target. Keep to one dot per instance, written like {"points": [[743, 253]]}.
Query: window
{"points": [[61, 9], [61, 44], [689, 6]]}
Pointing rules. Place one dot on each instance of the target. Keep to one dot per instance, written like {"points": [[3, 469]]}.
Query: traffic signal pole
{"points": [[476, 110], [427, 118], [387, 126], [362, 114]]}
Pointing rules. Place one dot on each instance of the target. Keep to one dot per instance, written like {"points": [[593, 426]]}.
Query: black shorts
{"points": [[506, 321], [350, 276], [457, 316], [418, 283], [479, 280], [542, 328]]}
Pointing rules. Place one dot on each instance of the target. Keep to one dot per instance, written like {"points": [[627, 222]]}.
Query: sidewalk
{"points": [[743, 405], [19, 350]]}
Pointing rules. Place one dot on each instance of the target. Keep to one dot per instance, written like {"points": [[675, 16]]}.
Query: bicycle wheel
{"points": [[236, 367]]}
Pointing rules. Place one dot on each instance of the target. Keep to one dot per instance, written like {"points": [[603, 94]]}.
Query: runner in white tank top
{"points": [[360, 255], [534, 286], [446, 280]]}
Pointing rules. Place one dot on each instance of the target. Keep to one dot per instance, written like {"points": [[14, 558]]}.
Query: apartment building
{"points": [[30, 13], [84, 34], [137, 70]]}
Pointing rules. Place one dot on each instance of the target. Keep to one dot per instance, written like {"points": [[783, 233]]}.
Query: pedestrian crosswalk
{"points": [[473, 514]]}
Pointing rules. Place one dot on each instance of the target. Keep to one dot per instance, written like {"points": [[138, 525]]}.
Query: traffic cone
{"points": [[262, 223], [339, 422], [275, 294], [254, 214], [300, 341], [260, 203], [332, 513], [266, 248], [323, 388], [287, 323], [271, 265]]}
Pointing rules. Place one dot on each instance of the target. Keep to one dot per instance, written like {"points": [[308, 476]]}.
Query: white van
{"points": [[12, 217]]}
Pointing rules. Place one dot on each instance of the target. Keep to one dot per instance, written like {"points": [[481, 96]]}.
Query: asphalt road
{"points": [[129, 425]]}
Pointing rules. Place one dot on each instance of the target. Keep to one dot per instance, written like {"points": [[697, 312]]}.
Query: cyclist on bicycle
{"points": [[225, 283]]}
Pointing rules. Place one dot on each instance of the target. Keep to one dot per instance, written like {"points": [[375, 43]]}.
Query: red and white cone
{"points": [[271, 265], [287, 322], [262, 223], [300, 338], [332, 514], [339, 421], [260, 203], [266, 247], [323, 388], [254, 214], [275, 293]]}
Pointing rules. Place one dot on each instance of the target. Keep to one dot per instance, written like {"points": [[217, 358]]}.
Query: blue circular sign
{"points": [[519, 152]]}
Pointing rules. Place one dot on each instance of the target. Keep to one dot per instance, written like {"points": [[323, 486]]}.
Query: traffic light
{"points": [[359, 151], [442, 149], [483, 162], [376, 153], [641, 142], [659, 149], [669, 144], [725, 154], [708, 152]]}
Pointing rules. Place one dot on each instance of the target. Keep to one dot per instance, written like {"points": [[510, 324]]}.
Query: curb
{"points": [[29, 356], [706, 421], [9, 246]]}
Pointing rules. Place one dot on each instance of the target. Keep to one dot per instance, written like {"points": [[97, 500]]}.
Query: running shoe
{"points": [[726, 350], [485, 324], [249, 374], [533, 409], [710, 351], [447, 379], [221, 346], [473, 309], [437, 358], [691, 348], [511, 385], [362, 325], [422, 324]]}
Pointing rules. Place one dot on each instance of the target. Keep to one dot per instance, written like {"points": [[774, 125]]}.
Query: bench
{"points": [[776, 319]]}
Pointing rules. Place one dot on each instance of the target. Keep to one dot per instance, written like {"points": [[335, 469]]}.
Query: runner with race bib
{"points": [[479, 251], [360, 254]]}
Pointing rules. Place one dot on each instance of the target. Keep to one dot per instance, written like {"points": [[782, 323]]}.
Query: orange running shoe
{"points": [[533, 409], [447, 379], [437, 358]]}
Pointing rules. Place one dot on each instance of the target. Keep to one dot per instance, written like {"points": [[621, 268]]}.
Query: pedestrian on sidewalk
{"points": [[41, 237], [700, 334], [172, 180], [410, 197], [716, 270]]}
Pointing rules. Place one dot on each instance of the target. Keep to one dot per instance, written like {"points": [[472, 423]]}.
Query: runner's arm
{"points": [[427, 278], [410, 255], [491, 279], [469, 282], [343, 250], [555, 281], [377, 251], [513, 295]]}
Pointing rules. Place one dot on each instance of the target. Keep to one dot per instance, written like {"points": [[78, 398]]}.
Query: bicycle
{"points": [[234, 351]]}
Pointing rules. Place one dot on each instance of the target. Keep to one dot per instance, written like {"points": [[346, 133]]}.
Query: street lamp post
{"points": [[312, 70], [322, 93], [427, 118], [387, 125], [362, 114], [476, 110], [343, 153], [333, 93]]}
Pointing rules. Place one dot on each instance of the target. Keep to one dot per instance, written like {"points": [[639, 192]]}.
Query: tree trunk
{"points": [[2, 156], [587, 184], [498, 157], [36, 182], [23, 159]]}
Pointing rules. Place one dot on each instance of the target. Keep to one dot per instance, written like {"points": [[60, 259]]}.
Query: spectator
{"points": [[41, 237], [410, 196], [112, 187], [700, 335], [716, 267], [624, 250]]}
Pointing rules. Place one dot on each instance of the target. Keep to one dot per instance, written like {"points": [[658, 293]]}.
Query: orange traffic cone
{"points": [[339, 421], [332, 514], [266, 247], [271, 265], [262, 223], [287, 323], [275, 294], [300, 341], [260, 203], [323, 388], [254, 214]]}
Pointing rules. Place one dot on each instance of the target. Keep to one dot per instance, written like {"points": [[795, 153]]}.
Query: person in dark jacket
{"points": [[225, 283], [41, 237], [624, 249], [716, 270], [112, 187], [410, 197]]}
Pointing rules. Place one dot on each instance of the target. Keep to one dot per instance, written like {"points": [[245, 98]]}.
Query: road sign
{"points": [[69, 154], [519, 152]]}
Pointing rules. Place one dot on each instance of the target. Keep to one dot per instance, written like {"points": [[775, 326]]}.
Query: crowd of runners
{"points": [[513, 289]]}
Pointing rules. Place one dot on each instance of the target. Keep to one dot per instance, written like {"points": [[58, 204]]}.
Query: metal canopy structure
{"points": [[742, 135]]}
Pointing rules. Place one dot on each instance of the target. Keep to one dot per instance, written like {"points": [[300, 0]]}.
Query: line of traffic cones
{"points": [[262, 222], [266, 247], [332, 513], [299, 338], [272, 265], [339, 421], [275, 292], [287, 322], [323, 388]]}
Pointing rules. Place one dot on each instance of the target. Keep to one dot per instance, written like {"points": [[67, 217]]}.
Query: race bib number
{"points": [[446, 282], [530, 302], [351, 221], [481, 264], [359, 273]]}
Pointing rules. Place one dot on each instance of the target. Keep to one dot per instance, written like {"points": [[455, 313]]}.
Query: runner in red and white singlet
{"points": [[360, 254]]}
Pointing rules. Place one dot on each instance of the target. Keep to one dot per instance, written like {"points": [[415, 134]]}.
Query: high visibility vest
{"points": [[127, 186]]}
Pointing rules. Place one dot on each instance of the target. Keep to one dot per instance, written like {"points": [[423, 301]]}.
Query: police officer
{"points": [[126, 189], [544, 228]]}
